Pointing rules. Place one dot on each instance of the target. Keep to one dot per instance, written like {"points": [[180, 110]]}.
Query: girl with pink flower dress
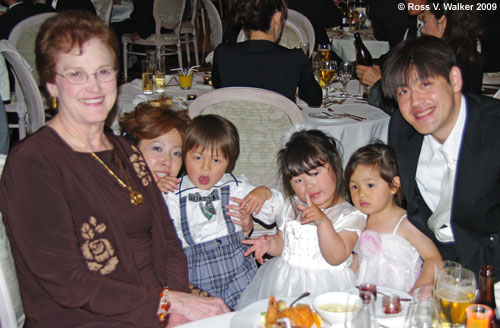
{"points": [[317, 228], [392, 251]]}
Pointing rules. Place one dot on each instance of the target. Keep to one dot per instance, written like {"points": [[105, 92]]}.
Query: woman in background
{"points": [[260, 62]]}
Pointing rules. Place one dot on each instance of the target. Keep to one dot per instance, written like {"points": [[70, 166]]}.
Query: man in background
{"points": [[18, 10]]}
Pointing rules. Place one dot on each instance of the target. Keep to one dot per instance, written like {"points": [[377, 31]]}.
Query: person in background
{"points": [[317, 228], [95, 246], [490, 41], [260, 62], [321, 14], [211, 209], [460, 29], [448, 150], [392, 252], [141, 22], [18, 10], [85, 5]]}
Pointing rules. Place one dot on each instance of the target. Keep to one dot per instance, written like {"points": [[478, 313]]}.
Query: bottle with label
{"points": [[363, 56], [486, 294]]}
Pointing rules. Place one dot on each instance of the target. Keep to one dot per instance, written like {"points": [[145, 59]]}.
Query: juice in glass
{"points": [[185, 81]]}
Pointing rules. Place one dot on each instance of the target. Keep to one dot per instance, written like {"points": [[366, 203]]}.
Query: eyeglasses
{"points": [[102, 75]]}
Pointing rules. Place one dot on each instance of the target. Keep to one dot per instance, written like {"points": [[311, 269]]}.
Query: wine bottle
{"points": [[345, 14], [486, 294], [363, 56]]}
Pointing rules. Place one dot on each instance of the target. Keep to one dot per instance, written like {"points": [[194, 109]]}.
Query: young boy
{"points": [[201, 209]]}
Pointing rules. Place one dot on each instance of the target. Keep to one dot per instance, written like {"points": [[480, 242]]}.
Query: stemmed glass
{"points": [[346, 71], [324, 51], [327, 70], [455, 290]]}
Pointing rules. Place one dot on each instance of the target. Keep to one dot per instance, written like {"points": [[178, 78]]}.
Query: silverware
{"points": [[354, 117], [301, 296]]}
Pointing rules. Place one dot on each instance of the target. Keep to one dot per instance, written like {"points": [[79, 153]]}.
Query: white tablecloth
{"points": [[121, 11], [352, 134], [130, 94], [344, 47]]}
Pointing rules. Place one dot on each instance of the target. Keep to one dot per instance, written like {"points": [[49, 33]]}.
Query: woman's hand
{"points": [[244, 220], [189, 307], [259, 247], [167, 184], [311, 213], [253, 202], [368, 75]]}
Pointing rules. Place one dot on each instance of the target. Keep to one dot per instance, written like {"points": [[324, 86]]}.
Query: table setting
{"points": [[343, 43]]}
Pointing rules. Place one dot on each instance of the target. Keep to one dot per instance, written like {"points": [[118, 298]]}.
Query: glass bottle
{"points": [[486, 294], [363, 56]]}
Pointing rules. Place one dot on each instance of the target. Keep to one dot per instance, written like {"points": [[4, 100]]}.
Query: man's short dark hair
{"points": [[428, 56]]}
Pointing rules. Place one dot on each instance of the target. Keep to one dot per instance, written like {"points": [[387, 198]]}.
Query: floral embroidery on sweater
{"points": [[98, 252], [139, 165]]}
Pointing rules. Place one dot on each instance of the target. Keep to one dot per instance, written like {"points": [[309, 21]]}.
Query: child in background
{"points": [[201, 209], [391, 249], [317, 228]]}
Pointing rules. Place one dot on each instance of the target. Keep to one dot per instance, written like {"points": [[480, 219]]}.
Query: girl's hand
{"points": [[311, 213], [253, 202], [244, 220], [167, 184], [260, 246]]}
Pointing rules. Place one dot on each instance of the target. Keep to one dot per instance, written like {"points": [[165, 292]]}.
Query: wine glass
{"points": [[324, 51], [346, 71], [327, 70], [455, 290]]}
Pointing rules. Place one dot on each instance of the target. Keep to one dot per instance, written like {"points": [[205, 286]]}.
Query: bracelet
{"points": [[164, 306]]}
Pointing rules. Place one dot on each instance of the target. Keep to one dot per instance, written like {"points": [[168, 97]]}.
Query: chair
{"points": [[167, 14], [302, 21], [293, 35], [103, 9], [214, 22], [188, 34], [23, 38], [261, 117], [29, 102]]}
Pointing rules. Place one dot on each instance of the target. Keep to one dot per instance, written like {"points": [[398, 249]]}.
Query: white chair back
{"points": [[301, 21], [23, 38], [103, 9], [262, 117], [29, 102], [214, 22]]}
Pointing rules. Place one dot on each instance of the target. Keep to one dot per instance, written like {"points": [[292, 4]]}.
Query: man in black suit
{"points": [[18, 11], [448, 149], [390, 23]]}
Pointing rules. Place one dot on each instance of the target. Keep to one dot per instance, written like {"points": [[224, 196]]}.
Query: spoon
{"points": [[305, 294], [402, 299]]}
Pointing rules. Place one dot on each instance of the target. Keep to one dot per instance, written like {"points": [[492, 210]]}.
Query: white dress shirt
{"points": [[432, 164], [203, 229]]}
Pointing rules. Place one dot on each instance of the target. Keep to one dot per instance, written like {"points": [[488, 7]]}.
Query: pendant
{"points": [[136, 198]]}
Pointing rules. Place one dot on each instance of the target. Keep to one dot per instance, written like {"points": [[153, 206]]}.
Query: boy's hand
{"points": [[253, 202], [311, 213], [244, 220], [167, 184]]}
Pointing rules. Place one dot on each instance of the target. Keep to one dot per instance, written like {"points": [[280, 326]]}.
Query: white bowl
{"points": [[337, 301]]}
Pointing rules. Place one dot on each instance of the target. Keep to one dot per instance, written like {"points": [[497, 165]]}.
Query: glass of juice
{"points": [[185, 80]]}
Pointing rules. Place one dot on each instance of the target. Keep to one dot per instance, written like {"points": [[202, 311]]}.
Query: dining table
{"points": [[343, 43], [130, 94], [352, 121]]}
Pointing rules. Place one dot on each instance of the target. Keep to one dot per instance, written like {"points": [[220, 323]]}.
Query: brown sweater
{"points": [[84, 254]]}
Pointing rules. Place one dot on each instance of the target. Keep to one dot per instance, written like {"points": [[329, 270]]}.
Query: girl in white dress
{"points": [[317, 228], [391, 249]]}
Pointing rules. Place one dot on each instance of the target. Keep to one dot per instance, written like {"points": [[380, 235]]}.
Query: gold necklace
{"points": [[135, 197]]}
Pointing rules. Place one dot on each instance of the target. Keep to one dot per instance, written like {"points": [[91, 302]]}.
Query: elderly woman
{"points": [[94, 246], [260, 62]]}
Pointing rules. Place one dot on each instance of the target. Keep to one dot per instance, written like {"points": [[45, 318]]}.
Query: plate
{"points": [[250, 317], [324, 116], [379, 313]]}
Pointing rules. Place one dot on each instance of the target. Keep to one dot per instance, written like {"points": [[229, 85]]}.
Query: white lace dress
{"points": [[388, 260], [301, 267]]}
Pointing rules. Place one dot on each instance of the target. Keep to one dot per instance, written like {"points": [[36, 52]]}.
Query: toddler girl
{"points": [[391, 249], [317, 228], [201, 209]]}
